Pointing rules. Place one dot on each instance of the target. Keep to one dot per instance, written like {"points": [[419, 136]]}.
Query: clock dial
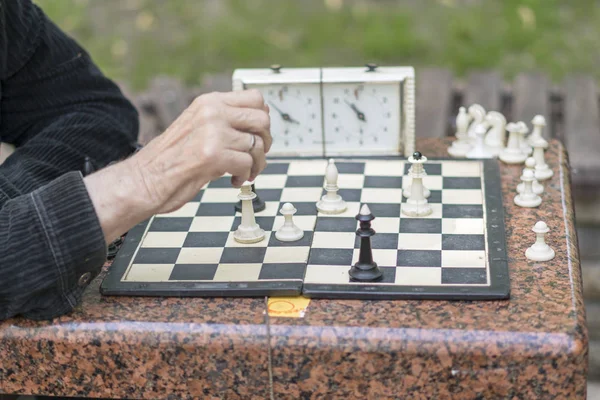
{"points": [[295, 111], [361, 115]]}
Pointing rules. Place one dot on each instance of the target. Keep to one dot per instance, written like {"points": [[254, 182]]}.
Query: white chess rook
{"points": [[527, 198], [540, 251], [248, 231], [537, 187], [461, 145], [417, 205], [331, 203], [512, 153], [288, 232], [479, 150], [542, 170]]}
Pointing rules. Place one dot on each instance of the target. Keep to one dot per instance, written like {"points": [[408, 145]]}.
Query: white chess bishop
{"points": [[248, 231], [288, 232], [540, 251], [331, 202], [417, 205], [461, 145]]}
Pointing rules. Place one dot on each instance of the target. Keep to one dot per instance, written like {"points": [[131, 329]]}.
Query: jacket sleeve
{"points": [[56, 107]]}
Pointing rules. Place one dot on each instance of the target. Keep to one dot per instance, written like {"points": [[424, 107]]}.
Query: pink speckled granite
{"points": [[533, 346]]}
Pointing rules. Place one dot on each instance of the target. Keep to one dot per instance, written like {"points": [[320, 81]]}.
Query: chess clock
{"points": [[337, 111]]}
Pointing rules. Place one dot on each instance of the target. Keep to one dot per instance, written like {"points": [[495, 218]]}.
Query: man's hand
{"points": [[212, 137]]}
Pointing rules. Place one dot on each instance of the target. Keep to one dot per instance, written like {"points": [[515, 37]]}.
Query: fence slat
{"points": [[434, 100], [485, 89], [582, 128], [531, 93]]}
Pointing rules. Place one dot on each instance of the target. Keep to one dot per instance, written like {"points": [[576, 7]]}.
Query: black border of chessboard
{"points": [[499, 287]]}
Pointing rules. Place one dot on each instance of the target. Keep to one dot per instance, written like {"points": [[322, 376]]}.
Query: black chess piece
{"points": [[365, 269], [257, 203], [88, 166]]}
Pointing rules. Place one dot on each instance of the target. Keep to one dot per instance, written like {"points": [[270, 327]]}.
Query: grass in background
{"points": [[134, 40]]}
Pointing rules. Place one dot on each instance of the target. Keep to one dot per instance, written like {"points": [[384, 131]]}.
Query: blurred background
{"points": [[520, 57]]}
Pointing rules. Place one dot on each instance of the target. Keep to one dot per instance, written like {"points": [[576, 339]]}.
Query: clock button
{"points": [[276, 68], [371, 67]]}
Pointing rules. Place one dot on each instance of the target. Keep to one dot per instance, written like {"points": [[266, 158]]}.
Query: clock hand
{"points": [[286, 117], [359, 114]]}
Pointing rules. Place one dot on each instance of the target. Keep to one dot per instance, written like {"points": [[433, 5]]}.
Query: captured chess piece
{"points": [[542, 170], [288, 232], [512, 153], [88, 166], [479, 150], [257, 203], [417, 205], [248, 231], [523, 142], [496, 136], [540, 251], [332, 202], [538, 122], [537, 187], [477, 113], [365, 269], [527, 198], [461, 145]]}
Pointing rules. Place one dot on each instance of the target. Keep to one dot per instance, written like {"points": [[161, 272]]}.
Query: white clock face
{"points": [[295, 111], [361, 115]]}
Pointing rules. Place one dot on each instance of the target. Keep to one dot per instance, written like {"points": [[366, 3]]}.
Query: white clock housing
{"points": [[337, 111]]}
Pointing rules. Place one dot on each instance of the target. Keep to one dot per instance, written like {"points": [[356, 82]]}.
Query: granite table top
{"points": [[534, 345]]}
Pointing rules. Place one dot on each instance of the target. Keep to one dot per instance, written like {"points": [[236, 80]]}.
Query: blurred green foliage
{"points": [[134, 40]]}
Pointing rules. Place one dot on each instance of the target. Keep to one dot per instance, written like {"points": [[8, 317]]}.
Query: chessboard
{"points": [[457, 252]]}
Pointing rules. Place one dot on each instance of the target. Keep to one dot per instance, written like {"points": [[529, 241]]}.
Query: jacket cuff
{"points": [[73, 234]]}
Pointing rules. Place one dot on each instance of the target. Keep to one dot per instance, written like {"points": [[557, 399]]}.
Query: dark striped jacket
{"points": [[56, 107]]}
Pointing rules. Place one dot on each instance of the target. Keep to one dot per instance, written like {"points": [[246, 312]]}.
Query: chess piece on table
{"points": [[479, 150], [461, 145], [527, 198], [540, 251], [365, 269], [331, 202], [477, 113], [512, 153], [496, 136], [288, 232], [542, 170], [538, 122], [248, 231], [416, 205], [523, 131], [257, 203], [537, 187]]}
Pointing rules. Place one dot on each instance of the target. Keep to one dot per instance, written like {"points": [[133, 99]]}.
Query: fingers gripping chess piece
{"points": [[527, 198], [288, 232], [537, 187], [542, 170], [416, 205], [538, 122], [461, 145], [331, 203], [248, 231], [512, 153], [365, 269], [479, 150], [540, 251]]}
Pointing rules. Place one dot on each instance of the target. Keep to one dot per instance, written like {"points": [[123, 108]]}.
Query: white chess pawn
{"points": [[479, 150], [331, 203], [537, 187], [512, 153], [540, 251], [288, 232], [527, 198], [542, 170], [461, 145], [538, 122], [416, 205], [248, 231], [523, 143]]}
